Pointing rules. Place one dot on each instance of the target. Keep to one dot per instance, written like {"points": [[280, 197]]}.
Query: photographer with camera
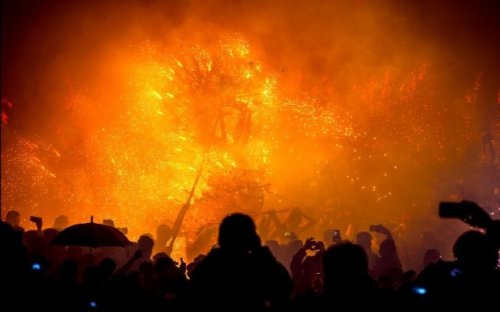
{"points": [[307, 268], [38, 222], [473, 279]]}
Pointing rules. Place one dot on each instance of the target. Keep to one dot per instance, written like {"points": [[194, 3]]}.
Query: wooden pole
{"points": [[184, 209]]}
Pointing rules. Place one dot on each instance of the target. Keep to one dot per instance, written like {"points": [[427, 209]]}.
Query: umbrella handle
{"points": [[90, 256]]}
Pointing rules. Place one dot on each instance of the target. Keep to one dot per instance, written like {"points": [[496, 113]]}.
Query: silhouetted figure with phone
{"points": [[307, 271], [388, 262], [473, 279]]}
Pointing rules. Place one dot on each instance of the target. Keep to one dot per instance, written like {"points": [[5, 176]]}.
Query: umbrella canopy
{"points": [[91, 235]]}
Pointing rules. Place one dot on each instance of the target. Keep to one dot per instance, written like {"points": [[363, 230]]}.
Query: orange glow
{"points": [[278, 106]]}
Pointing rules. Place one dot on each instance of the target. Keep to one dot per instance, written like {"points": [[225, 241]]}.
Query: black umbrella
{"points": [[91, 235]]}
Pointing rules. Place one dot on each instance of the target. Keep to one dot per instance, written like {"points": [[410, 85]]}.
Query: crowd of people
{"points": [[243, 273]]}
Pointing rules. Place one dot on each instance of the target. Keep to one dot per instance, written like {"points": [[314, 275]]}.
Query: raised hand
{"points": [[476, 216]]}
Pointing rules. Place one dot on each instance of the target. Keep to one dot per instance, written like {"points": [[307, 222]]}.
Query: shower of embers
{"points": [[132, 111]]}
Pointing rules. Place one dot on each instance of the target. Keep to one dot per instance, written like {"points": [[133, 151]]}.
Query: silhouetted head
{"points": [[344, 264], [237, 232], [160, 255], [13, 218], [107, 267], [364, 239], [431, 256], [163, 233], [146, 244], [475, 252], [167, 267], [108, 222], [61, 222]]}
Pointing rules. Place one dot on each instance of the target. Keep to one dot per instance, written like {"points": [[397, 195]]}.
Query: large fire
{"points": [[130, 144], [213, 110]]}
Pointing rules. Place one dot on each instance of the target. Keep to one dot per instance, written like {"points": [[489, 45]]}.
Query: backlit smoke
{"points": [[111, 109]]}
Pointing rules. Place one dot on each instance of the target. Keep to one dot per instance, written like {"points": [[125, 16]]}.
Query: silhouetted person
{"points": [[145, 244], [388, 263], [472, 281], [106, 269], [364, 239], [346, 279], [240, 275], [55, 254], [388, 269], [192, 266], [14, 262], [61, 222], [476, 254], [163, 235], [14, 219], [289, 250], [68, 290], [205, 237], [307, 271], [172, 281]]}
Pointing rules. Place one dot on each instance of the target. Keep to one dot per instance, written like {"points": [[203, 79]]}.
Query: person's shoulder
{"points": [[213, 256]]}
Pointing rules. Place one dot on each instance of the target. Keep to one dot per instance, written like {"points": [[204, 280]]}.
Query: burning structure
{"points": [[131, 110]]}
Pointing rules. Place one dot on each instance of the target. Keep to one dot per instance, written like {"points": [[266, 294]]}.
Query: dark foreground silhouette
{"points": [[240, 274]]}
